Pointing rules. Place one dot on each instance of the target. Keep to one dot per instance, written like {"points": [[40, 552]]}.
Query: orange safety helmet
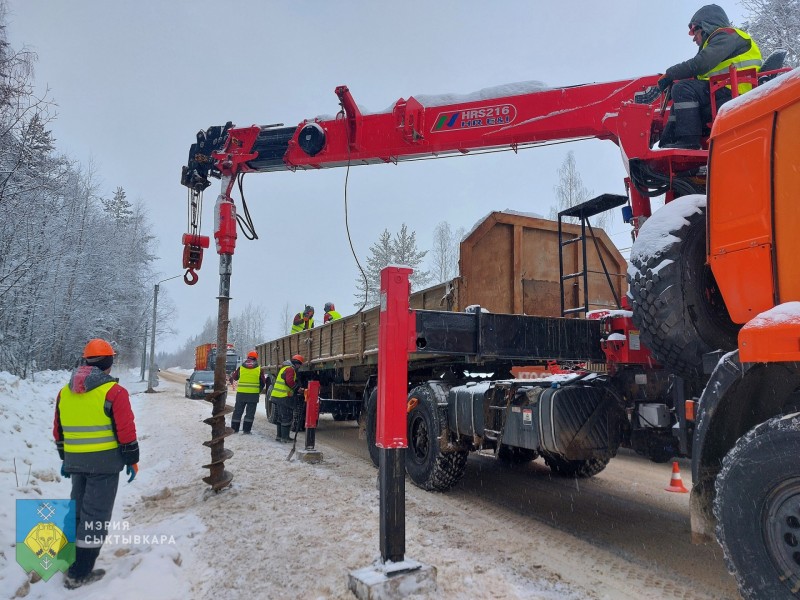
{"points": [[97, 347], [252, 354], [298, 358]]}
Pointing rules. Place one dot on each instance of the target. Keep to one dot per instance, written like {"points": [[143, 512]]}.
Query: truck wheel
{"points": [[676, 302], [371, 422], [515, 456], [758, 509], [575, 468], [272, 413], [426, 465]]}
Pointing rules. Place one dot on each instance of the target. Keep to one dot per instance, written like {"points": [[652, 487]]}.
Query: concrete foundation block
{"points": [[389, 581], [309, 456]]}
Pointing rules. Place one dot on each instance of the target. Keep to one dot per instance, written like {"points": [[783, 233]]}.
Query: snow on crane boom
{"points": [[514, 116]]}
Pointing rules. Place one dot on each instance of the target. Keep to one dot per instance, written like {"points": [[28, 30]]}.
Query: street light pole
{"points": [[150, 389]]}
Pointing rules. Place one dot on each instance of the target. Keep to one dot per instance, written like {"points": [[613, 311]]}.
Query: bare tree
{"points": [[286, 320], [247, 328], [570, 191], [444, 254]]}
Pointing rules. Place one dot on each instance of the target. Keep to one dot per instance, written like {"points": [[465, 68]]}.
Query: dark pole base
{"points": [[392, 479]]}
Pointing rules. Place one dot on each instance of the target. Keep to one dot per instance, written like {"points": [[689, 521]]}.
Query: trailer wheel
{"points": [[575, 468], [758, 509], [371, 424], [675, 299], [426, 464], [515, 456]]}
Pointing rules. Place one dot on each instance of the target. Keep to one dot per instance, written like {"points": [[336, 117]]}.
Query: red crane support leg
{"points": [[312, 413], [395, 336]]}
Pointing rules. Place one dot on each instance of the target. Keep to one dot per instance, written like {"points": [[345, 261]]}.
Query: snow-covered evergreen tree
{"points": [[774, 25], [402, 249]]}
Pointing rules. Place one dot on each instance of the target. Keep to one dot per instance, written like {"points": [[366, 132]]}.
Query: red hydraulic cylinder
{"points": [[225, 225], [312, 413], [396, 338]]}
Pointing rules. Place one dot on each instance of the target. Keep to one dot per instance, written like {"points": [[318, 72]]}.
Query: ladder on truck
{"points": [[582, 212]]}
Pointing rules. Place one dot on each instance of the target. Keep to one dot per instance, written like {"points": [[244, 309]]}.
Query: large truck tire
{"points": [[371, 423], [426, 464], [676, 302], [757, 508], [581, 469]]}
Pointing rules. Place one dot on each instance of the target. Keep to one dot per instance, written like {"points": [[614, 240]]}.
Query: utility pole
{"points": [[144, 354], [150, 389]]}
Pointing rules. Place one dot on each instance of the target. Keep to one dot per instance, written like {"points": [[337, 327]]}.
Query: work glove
{"points": [[664, 82], [64, 473], [132, 470]]}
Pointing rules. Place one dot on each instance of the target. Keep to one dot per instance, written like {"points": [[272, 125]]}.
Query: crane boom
{"points": [[626, 112]]}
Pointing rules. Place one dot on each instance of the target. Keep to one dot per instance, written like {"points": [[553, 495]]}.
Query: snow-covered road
{"points": [[290, 529]]}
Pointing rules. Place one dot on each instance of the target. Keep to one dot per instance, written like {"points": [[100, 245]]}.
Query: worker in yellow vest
{"points": [[330, 313], [95, 436], [251, 382], [721, 45], [284, 391], [304, 320]]}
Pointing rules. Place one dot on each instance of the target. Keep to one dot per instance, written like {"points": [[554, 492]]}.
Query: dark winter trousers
{"points": [[247, 404], [691, 108], [284, 417], [94, 496]]}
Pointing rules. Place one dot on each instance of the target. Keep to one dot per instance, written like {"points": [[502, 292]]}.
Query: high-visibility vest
{"points": [[86, 426], [333, 315], [279, 388], [746, 60], [249, 380], [302, 325]]}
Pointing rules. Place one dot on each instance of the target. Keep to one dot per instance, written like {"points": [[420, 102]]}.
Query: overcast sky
{"points": [[135, 81]]}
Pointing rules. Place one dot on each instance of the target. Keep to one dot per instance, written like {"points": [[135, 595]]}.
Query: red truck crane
{"points": [[739, 392]]}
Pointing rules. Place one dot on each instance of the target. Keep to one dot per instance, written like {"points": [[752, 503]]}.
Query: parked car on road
{"points": [[199, 383]]}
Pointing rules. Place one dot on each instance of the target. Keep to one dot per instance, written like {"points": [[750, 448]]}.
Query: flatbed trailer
{"points": [[509, 265]]}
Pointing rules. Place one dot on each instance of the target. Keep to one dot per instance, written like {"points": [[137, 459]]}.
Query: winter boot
{"points": [[235, 426], [278, 434], [285, 434], [84, 562], [72, 583], [247, 426]]}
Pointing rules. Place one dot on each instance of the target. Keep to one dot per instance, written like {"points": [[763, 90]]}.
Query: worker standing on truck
{"points": [[303, 320], [721, 45], [284, 389], [330, 313], [251, 382], [95, 437]]}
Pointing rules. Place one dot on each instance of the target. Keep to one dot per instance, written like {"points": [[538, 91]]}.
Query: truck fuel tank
{"points": [[576, 421]]}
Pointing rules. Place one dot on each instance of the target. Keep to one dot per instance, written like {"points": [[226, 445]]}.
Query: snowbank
{"points": [[282, 530]]}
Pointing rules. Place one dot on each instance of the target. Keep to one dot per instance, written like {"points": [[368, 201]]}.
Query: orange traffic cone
{"points": [[675, 482]]}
